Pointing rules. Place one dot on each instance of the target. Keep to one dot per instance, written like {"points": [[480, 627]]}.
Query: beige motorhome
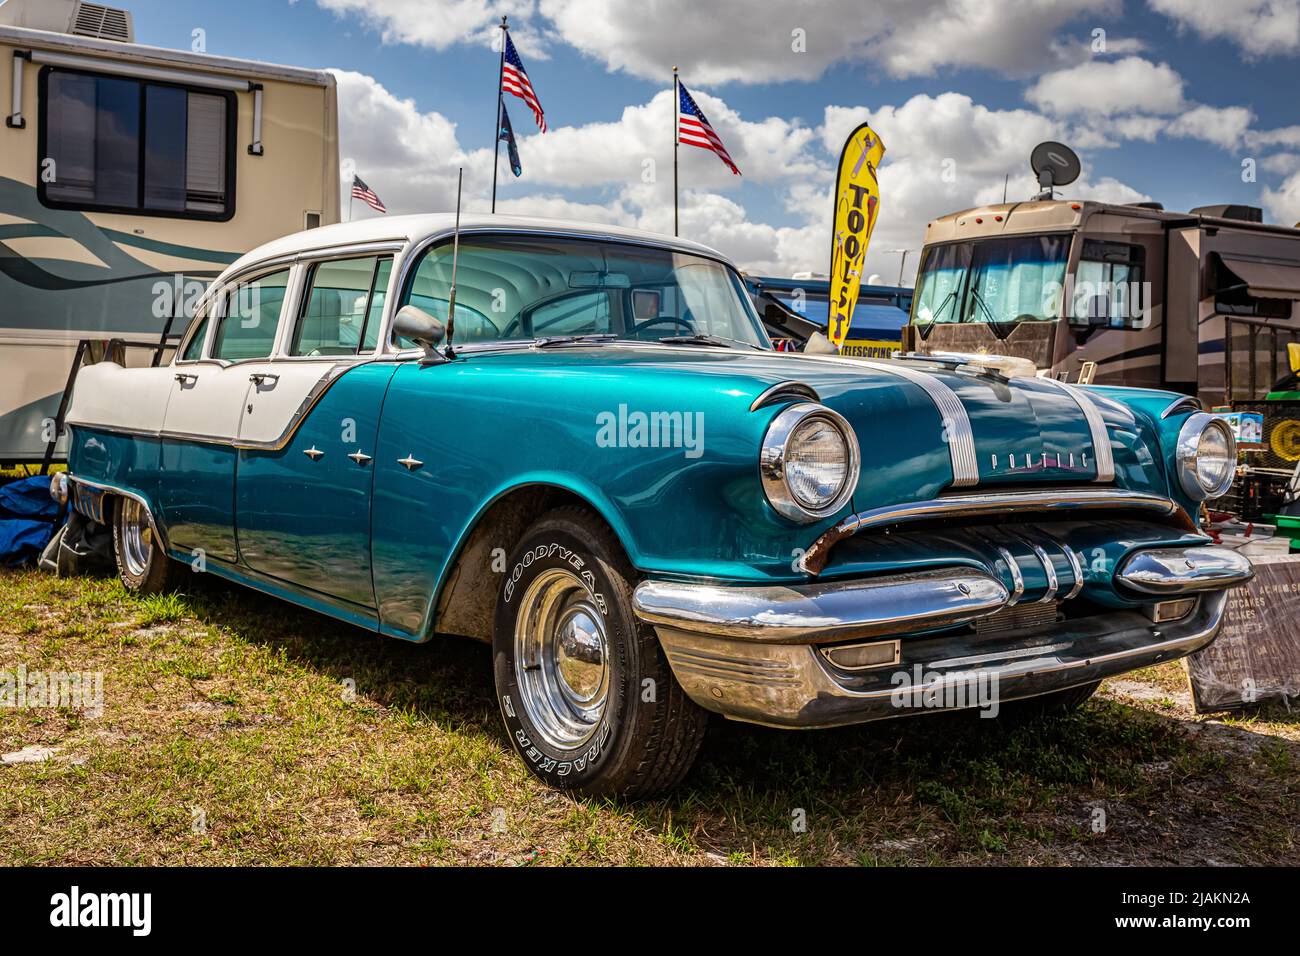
{"points": [[130, 176], [1202, 302]]}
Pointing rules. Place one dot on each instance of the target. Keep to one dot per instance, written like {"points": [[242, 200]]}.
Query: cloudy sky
{"points": [[1186, 102]]}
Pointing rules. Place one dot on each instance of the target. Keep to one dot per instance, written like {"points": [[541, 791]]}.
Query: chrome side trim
{"points": [[1102, 453], [317, 391], [1184, 404], [815, 613], [1166, 572], [778, 392], [961, 444], [978, 505], [118, 490]]}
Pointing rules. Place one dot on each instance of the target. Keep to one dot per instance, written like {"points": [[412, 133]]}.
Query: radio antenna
{"points": [[455, 256]]}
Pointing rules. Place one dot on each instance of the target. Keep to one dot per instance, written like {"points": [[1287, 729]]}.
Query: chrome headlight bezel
{"points": [[772, 462], [1187, 451]]}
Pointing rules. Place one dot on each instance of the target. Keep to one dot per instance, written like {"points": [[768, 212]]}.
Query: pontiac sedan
{"points": [[596, 463]]}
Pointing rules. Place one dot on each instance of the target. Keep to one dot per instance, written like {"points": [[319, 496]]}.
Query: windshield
{"points": [[1000, 282], [531, 287]]}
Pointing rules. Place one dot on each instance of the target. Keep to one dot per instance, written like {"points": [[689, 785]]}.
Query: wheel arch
{"points": [[465, 602]]}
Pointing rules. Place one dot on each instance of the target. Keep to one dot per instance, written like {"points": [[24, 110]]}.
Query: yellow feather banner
{"points": [[857, 204]]}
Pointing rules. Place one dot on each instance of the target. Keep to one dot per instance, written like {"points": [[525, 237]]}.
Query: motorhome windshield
{"points": [[1001, 281]]}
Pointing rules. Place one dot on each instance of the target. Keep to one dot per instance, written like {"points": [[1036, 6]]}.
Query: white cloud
{"points": [[741, 41], [1109, 88], [1225, 126], [1282, 164], [945, 153], [1260, 27], [1284, 203]]}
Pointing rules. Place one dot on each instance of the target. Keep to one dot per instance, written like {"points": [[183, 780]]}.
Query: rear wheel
{"points": [[141, 563], [588, 699]]}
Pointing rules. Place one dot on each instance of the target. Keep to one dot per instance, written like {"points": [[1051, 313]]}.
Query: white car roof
{"points": [[420, 226]]}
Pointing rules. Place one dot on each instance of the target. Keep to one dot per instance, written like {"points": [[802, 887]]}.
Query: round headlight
{"points": [[809, 462], [1206, 457]]}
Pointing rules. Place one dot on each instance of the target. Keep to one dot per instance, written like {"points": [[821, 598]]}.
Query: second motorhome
{"points": [[130, 176]]}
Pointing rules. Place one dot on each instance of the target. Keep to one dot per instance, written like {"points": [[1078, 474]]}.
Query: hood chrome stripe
{"points": [[961, 444], [1096, 425]]}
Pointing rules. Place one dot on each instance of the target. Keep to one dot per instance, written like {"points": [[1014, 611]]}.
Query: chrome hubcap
{"points": [[561, 659], [137, 537]]}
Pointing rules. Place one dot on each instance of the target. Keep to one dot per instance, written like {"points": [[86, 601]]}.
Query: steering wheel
{"points": [[663, 320]]}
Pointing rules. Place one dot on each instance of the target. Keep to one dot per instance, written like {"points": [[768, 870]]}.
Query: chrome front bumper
{"points": [[763, 654]]}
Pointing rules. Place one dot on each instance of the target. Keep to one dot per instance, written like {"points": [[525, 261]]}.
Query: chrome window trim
{"points": [[415, 251], [307, 265]]}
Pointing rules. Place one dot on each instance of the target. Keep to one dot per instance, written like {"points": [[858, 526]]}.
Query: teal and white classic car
{"points": [[595, 462]]}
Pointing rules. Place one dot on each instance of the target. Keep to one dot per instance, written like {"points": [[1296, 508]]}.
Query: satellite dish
{"points": [[1055, 164]]}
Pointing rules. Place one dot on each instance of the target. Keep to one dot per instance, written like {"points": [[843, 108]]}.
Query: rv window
{"points": [[342, 309], [1108, 287], [131, 146], [247, 330]]}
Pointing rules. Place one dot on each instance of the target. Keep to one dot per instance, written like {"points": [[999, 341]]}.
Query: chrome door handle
{"points": [[185, 377], [260, 378]]}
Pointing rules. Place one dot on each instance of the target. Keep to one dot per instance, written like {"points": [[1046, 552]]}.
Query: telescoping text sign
{"points": [[857, 203]]}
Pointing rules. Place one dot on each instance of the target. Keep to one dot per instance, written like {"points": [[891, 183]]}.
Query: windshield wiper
{"points": [[702, 338], [571, 339]]}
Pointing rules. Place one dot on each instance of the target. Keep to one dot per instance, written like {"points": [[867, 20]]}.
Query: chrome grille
{"points": [[1019, 617]]}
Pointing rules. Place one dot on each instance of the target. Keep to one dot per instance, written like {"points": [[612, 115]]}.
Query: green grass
{"points": [[234, 711]]}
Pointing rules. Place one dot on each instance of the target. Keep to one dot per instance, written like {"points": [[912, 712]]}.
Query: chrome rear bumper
{"points": [[765, 654]]}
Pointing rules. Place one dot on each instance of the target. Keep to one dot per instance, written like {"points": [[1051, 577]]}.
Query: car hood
{"points": [[922, 428]]}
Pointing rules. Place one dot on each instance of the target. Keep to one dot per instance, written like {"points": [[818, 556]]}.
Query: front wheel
{"points": [[141, 563], [588, 699]]}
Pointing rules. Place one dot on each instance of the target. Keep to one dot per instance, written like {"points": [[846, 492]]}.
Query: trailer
{"points": [[130, 176]]}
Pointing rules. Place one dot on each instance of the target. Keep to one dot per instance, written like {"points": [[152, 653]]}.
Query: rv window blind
{"points": [[118, 144], [205, 154]]}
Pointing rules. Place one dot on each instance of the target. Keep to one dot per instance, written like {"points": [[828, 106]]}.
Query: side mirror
{"points": [[421, 328]]}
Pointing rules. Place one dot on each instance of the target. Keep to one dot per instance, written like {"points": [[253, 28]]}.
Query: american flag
{"points": [[514, 79], [693, 127], [367, 195]]}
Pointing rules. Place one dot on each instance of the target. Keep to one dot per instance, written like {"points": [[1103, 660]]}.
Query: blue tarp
{"points": [[28, 519]]}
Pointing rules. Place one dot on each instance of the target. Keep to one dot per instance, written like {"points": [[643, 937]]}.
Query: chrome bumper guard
{"points": [[759, 654], [1172, 572]]}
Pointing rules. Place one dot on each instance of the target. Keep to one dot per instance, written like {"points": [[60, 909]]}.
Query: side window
{"points": [[247, 330], [193, 349], [342, 308], [1108, 286], [135, 146]]}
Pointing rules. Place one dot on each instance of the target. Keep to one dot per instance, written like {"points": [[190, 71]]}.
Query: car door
{"points": [[205, 408], [307, 437]]}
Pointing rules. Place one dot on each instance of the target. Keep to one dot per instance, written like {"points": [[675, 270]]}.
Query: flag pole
{"points": [[677, 102], [496, 133], [351, 186]]}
